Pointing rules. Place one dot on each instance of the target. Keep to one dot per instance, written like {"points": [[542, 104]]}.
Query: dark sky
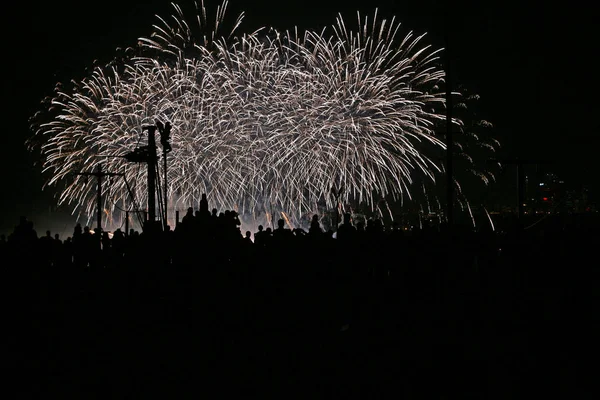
{"points": [[534, 67]]}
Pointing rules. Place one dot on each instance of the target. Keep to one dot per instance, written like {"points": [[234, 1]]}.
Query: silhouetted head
{"points": [[190, 211], [346, 218], [203, 196], [48, 234], [214, 212], [86, 229], [280, 223], [260, 228], [269, 230], [248, 233], [56, 236]]}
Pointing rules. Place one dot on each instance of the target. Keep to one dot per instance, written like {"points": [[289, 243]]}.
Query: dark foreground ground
{"points": [[520, 323]]}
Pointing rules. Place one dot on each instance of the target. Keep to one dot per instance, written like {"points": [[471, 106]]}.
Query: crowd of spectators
{"points": [[426, 312]]}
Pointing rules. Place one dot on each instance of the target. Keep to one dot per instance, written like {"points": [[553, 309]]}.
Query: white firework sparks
{"points": [[264, 121]]}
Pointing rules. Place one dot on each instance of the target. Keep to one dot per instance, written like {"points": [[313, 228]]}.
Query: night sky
{"points": [[535, 69]]}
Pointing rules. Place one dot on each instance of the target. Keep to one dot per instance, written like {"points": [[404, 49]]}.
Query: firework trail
{"points": [[261, 121]]}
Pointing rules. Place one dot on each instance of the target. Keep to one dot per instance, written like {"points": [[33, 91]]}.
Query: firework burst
{"points": [[261, 121]]}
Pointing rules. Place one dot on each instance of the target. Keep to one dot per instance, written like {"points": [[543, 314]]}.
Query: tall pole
{"points": [[449, 135], [99, 176], [165, 223], [151, 174], [165, 134]]}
